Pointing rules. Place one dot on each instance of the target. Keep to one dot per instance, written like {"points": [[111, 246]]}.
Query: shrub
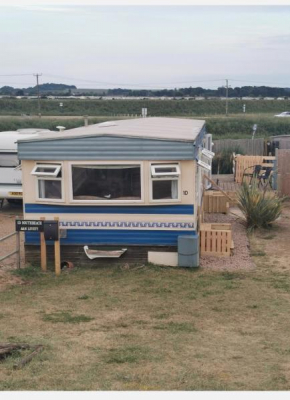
{"points": [[261, 208], [222, 162]]}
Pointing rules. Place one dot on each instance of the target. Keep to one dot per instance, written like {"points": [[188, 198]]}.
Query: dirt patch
{"points": [[273, 243], [241, 258]]}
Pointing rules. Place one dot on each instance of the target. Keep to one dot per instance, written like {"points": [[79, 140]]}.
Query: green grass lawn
{"points": [[150, 328]]}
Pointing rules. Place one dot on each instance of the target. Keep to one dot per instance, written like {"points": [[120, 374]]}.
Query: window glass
{"points": [[106, 182], [47, 170], [165, 170], [49, 189], [8, 160], [164, 189]]}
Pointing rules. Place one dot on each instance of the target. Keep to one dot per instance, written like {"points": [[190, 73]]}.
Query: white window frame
{"points": [[57, 168], [155, 174], [165, 177], [43, 177], [105, 163]]}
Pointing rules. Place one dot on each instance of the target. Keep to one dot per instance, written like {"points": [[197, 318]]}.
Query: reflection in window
{"points": [[106, 182], [49, 189], [167, 189]]}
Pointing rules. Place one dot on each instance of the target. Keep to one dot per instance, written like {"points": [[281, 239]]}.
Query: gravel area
{"points": [[241, 259]]}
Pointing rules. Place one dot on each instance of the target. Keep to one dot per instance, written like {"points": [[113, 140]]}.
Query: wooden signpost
{"points": [[49, 230]]}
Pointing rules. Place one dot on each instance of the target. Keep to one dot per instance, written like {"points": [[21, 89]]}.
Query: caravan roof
{"points": [[177, 129]]}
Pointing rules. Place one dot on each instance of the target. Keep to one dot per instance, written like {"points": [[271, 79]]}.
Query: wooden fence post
{"points": [[43, 257], [18, 248], [57, 253]]}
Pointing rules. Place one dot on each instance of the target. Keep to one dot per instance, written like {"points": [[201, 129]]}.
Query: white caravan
{"points": [[10, 170]]}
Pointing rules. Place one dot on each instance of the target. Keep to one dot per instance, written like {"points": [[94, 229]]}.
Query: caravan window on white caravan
{"points": [[106, 182], [48, 181], [8, 160], [165, 182]]}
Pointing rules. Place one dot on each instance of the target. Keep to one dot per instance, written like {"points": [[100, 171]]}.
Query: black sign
{"points": [[24, 225]]}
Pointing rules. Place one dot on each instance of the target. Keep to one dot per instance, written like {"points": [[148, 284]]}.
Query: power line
{"points": [[134, 84], [268, 83], [17, 75]]}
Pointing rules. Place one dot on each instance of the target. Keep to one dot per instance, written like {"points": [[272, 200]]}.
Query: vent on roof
{"points": [[105, 124]]}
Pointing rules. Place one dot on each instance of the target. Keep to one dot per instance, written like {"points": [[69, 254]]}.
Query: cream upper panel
{"points": [[186, 183]]}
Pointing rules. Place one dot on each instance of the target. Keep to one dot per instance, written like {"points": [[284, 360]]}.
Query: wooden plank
{"points": [[269, 165], [43, 255]]}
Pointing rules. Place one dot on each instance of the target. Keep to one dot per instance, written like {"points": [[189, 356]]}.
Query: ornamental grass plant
{"points": [[260, 207]]}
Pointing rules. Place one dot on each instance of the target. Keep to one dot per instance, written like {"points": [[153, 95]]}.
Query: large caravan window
{"points": [[106, 182], [165, 182], [8, 160], [49, 181]]}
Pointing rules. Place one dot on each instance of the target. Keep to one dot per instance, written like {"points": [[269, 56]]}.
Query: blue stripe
{"points": [[65, 209], [115, 237]]}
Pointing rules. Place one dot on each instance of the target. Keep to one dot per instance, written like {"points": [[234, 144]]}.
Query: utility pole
{"points": [[227, 96], [38, 95]]}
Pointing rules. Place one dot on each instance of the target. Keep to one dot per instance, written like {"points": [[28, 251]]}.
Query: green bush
{"points": [[260, 207], [222, 162]]}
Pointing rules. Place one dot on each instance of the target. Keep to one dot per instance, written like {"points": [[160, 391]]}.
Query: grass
{"points": [[153, 328], [66, 317]]}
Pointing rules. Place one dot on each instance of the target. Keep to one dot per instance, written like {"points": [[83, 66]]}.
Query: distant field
{"points": [[187, 108]]}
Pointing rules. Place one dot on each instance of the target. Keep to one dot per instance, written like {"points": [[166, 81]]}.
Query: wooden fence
{"points": [[283, 171], [246, 164], [250, 147]]}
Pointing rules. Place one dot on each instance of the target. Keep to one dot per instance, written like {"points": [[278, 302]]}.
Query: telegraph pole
{"points": [[227, 96], [38, 95]]}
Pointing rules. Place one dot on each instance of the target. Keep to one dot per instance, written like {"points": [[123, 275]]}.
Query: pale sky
{"points": [[145, 46]]}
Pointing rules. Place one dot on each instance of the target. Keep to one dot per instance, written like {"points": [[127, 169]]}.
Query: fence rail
{"points": [[250, 147]]}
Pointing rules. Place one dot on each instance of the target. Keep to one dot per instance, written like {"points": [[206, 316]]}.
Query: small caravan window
{"points": [[159, 170], [46, 170], [165, 182], [8, 160], [49, 184], [106, 182], [49, 189]]}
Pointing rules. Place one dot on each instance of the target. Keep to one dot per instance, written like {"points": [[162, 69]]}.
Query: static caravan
{"points": [[130, 189], [10, 173]]}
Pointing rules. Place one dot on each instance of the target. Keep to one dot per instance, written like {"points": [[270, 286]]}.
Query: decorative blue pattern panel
{"points": [[185, 209], [125, 224], [115, 237]]}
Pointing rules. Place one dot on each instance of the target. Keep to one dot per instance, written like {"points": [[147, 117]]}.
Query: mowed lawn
{"points": [[150, 328]]}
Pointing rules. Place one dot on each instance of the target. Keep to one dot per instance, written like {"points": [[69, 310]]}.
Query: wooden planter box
{"points": [[215, 202], [216, 239]]}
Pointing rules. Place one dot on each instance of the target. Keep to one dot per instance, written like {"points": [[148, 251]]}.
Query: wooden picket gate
{"points": [[246, 164], [215, 239]]}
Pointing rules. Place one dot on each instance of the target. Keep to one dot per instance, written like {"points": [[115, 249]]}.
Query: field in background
{"points": [[234, 126], [186, 108], [151, 328]]}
